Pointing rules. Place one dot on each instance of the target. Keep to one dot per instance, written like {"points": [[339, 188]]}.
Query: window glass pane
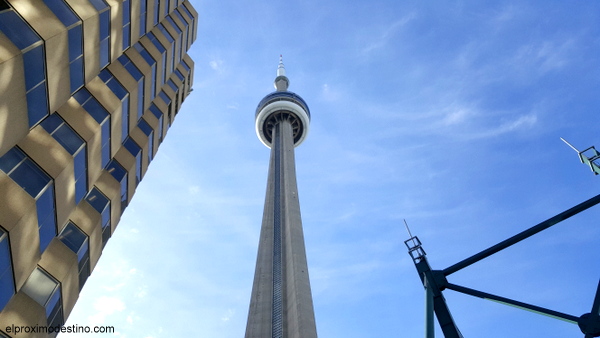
{"points": [[164, 97], [154, 109], [140, 99], [30, 177], [165, 32], [133, 147], [17, 30], [145, 127], [40, 287], [115, 86], [187, 12], [80, 163], [126, 36], [97, 200], [54, 309], [155, 42], [37, 104], [47, 226], [179, 75], [99, 4], [7, 286], [125, 119], [172, 85], [34, 67], [82, 96], [75, 42], [105, 142], [104, 52], [68, 138], [73, 237], [116, 170], [64, 13], [104, 24], [172, 22], [76, 74], [9, 160]]}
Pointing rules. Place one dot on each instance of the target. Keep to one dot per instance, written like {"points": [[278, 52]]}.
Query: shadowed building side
{"points": [[281, 302]]}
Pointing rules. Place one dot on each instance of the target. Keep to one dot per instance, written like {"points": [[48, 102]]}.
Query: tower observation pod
{"points": [[281, 302]]}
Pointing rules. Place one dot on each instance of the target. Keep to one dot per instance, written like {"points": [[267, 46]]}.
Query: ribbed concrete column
{"points": [[281, 303]]}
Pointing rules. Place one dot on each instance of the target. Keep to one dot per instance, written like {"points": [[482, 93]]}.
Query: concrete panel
{"points": [[44, 150], [54, 33], [135, 20], [160, 63], [14, 124], [127, 160], [132, 87], [89, 130], [146, 70], [116, 28], [112, 189], [21, 310], [90, 221], [60, 262], [142, 140], [18, 216], [153, 122], [112, 104]]}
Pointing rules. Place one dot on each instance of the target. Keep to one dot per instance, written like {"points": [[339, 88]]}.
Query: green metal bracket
{"points": [[588, 157]]}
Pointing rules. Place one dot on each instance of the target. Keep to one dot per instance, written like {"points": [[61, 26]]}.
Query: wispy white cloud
{"points": [[106, 306], [383, 38]]}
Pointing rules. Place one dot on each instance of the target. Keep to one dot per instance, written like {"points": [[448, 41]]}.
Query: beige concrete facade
{"points": [[22, 232]]}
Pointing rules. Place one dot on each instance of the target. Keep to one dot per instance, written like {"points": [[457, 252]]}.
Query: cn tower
{"points": [[281, 304]]}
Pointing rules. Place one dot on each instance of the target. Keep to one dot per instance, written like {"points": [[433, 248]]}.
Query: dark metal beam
{"points": [[523, 235], [511, 302]]}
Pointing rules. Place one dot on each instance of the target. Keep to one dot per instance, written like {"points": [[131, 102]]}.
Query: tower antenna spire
{"points": [[281, 81]]}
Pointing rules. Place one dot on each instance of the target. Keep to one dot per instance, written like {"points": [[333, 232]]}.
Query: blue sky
{"points": [[446, 114]]}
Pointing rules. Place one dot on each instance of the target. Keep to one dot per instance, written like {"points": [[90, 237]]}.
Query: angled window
{"points": [[117, 88], [170, 38], [179, 36], [172, 85], [38, 185], [156, 14], [102, 204], [45, 290], [184, 46], [139, 77], [159, 115], [7, 282], [151, 62], [104, 32], [75, 145], [68, 17], [120, 174], [101, 115], [145, 127], [167, 5], [165, 97], [34, 59], [136, 151], [189, 15], [126, 24], [179, 75], [78, 242], [143, 14], [162, 50]]}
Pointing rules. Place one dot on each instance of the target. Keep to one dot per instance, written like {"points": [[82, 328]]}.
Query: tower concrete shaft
{"points": [[281, 304]]}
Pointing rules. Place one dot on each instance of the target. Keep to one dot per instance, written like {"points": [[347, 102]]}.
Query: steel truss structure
{"points": [[435, 281]]}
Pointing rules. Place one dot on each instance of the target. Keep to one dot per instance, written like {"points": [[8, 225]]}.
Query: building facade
{"points": [[281, 303], [88, 91]]}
